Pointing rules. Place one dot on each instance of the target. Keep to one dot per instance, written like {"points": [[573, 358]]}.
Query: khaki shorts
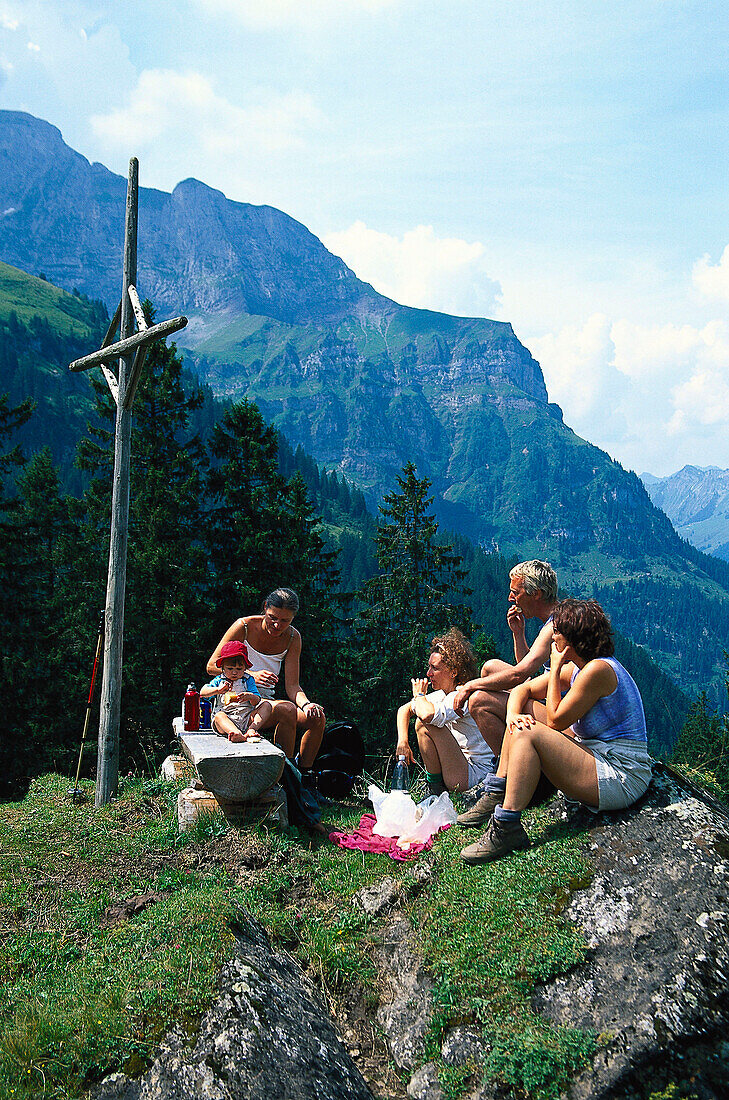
{"points": [[624, 770]]}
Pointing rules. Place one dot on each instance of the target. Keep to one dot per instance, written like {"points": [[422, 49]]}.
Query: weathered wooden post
{"points": [[131, 350], [107, 768]]}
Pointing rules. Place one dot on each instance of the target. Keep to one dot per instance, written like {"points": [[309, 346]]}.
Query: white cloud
{"points": [[701, 402], [654, 396], [576, 363], [645, 351], [420, 269], [713, 279], [288, 13], [57, 71], [166, 104]]}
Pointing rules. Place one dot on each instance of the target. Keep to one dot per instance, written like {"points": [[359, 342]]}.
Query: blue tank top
{"points": [[618, 716]]}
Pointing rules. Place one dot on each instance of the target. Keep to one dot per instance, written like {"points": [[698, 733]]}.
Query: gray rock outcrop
{"points": [[266, 1036], [653, 986]]}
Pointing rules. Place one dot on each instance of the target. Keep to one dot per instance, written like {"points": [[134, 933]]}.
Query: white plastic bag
{"points": [[398, 816], [432, 814]]}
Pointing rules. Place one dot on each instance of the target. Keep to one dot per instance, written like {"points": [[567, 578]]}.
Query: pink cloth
{"points": [[365, 841]]}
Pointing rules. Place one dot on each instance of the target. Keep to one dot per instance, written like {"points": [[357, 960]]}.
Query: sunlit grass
{"points": [[79, 999]]}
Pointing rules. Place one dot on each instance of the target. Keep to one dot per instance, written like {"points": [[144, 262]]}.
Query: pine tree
{"points": [[262, 533], [703, 747], [418, 592]]}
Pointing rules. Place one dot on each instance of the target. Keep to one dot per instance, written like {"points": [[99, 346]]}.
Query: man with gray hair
{"points": [[532, 594]]}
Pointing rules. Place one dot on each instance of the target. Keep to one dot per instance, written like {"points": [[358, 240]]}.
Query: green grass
{"points": [[81, 997], [490, 934], [28, 297]]}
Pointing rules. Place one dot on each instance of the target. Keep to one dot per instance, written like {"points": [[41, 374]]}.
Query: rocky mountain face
{"points": [[696, 500], [364, 384]]}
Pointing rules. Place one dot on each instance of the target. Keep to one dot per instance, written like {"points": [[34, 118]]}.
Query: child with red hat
{"points": [[238, 709]]}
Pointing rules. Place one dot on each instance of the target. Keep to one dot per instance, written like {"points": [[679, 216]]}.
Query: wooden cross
{"points": [[131, 350]]}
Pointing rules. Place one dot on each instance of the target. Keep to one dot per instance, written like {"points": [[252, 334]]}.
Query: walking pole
{"points": [[76, 792]]}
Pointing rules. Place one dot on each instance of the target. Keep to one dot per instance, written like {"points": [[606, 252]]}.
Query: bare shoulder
{"points": [[600, 672]]}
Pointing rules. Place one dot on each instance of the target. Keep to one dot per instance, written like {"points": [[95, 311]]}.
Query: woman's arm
{"points": [[292, 674], [420, 704], [596, 680], [236, 632], [404, 714]]}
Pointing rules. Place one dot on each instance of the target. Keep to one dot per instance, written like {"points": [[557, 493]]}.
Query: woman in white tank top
{"points": [[273, 642]]}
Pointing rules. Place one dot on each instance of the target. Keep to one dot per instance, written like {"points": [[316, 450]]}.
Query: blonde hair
{"points": [[457, 653]]}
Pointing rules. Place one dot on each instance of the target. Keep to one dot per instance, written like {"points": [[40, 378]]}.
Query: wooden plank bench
{"points": [[240, 772]]}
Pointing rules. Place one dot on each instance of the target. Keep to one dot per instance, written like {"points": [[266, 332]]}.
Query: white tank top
{"points": [[264, 662]]}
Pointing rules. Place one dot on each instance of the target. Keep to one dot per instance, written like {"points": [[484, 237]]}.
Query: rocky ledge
{"points": [[652, 987]]}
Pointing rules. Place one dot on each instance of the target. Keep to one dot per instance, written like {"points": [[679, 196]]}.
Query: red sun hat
{"points": [[233, 649]]}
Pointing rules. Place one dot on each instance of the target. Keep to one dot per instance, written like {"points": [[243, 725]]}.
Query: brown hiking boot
{"points": [[481, 811], [498, 840]]}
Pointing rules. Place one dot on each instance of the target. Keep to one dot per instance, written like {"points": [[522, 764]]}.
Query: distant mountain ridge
{"points": [[696, 500], [364, 384]]}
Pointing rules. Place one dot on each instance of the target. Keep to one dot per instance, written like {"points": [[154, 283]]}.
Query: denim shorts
{"points": [[624, 770]]}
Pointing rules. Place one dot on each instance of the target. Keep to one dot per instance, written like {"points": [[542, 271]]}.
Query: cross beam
{"points": [[130, 344], [130, 349]]}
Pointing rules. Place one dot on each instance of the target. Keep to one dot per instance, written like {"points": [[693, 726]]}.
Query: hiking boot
{"points": [[499, 839], [481, 811]]}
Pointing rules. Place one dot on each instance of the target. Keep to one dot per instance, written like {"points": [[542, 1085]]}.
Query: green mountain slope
{"points": [[42, 329], [365, 385], [465, 398]]}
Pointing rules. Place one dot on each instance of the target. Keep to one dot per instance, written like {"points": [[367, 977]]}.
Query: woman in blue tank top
{"points": [[582, 724]]}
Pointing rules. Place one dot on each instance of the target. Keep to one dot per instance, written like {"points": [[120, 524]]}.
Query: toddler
{"points": [[238, 710]]}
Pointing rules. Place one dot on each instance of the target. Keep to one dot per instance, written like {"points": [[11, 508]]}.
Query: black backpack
{"points": [[340, 760]]}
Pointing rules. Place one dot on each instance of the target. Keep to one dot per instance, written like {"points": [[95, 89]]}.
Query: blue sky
{"points": [[559, 165]]}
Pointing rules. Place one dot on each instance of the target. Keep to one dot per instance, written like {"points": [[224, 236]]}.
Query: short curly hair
{"points": [[586, 627], [457, 653]]}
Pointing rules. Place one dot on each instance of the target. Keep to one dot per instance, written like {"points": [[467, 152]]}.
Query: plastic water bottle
{"points": [[191, 709], [400, 778]]}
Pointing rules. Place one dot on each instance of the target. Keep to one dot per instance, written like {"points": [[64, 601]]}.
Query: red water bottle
{"points": [[191, 709]]}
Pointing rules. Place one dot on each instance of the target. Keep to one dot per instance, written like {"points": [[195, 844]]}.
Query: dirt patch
{"points": [[123, 910], [354, 1012]]}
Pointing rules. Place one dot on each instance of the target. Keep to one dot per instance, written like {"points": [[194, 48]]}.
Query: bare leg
{"points": [[259, 717], [562, 759], [442, 753], [283, 721], [225, 726], [488, 710], [312, 731], [494, 665]]}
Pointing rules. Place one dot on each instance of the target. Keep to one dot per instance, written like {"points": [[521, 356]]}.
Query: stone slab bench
{"points": [[239, 772]]}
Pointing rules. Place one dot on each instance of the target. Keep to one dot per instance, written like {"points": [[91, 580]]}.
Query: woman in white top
{"points": [[454, 752], [272, 641]]}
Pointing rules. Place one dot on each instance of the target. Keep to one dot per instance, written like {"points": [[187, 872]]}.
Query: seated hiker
{"points": [[238, 710], [532, 594], [590, 742], [273, 643], [454, 753]]}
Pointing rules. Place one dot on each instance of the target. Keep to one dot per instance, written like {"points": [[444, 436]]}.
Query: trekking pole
{"points": [[76, 792]]}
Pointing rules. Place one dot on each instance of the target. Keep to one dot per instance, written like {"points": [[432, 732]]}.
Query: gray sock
{"points": [[496, 784]]}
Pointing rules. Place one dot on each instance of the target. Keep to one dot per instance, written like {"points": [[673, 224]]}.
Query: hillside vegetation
{"points": [[363, 384], [182, 575], [91, 977]]}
